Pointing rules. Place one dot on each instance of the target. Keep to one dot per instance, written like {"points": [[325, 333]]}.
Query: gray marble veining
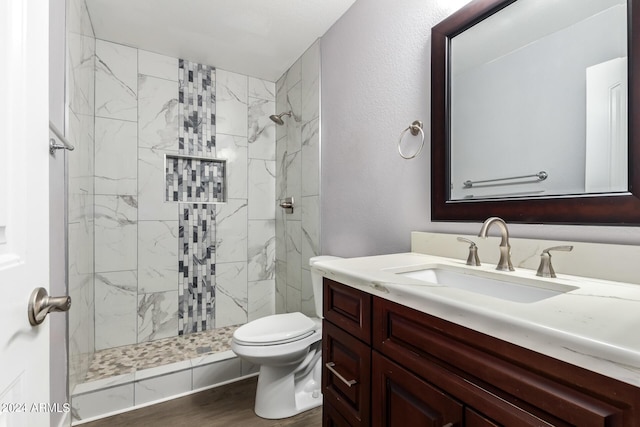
{"points": [[115, 233], [157, 315], [262, 89], [262, 183], [139, 294], [231, 231], [115, 309], [81, 78], [281, 169], [294, 124], [116, 81], [157, 113], [261, 132], [294, 182], [294, 254], [156, 65], [261, 250], [231, 103], [151, 187], [80, 83], [234, 150], [116, 152], [231, 294], [261, 299], [157, 256], [310, 162], [298, 175], [310, 212]]}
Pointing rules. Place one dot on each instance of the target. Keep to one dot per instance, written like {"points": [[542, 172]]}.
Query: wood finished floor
{"points": [[229, 406]]}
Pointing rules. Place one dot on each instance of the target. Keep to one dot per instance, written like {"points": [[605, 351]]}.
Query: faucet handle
{"points": [[546, 269], [473, 258]]}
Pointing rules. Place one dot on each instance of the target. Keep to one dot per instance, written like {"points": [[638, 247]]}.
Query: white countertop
{"points": [[596, 326]]}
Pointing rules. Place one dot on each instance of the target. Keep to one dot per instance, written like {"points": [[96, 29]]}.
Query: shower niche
{"points": [[195, 179]]}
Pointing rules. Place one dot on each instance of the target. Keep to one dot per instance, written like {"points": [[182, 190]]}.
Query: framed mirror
{"points": [[533, 112]]}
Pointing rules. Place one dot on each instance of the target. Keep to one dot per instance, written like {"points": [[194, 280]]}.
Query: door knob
{"points": [[41, 304]]}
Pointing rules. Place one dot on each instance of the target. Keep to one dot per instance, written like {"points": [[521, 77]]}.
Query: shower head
{"points": [[277, 118]]}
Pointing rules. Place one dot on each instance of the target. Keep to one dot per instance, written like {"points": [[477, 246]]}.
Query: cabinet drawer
{"points": [[346, 374], [348, 308], [509, 384], [402, 399]]}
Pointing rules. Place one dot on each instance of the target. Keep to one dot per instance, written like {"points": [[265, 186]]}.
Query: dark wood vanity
{"points": [[388, 365]]}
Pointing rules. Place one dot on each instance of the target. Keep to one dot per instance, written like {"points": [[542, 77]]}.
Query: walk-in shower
{"points": [[159, 282]]}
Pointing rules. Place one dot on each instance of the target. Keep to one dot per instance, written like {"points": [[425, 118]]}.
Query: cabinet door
{"points": [[348, 308], [402, 399], [332, 418], [346, 374], [474, 419]]}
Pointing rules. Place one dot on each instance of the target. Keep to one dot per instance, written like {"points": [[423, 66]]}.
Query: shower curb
{"points": [[122, 393]]}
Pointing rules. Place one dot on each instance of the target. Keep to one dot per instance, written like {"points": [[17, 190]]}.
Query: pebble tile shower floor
{"points": [[123, 360]]}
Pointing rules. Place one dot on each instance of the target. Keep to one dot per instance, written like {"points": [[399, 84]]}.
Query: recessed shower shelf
{"points": [[195, 179]]}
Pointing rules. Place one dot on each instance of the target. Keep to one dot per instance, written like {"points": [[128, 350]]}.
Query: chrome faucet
{"points": [[505, 249]]}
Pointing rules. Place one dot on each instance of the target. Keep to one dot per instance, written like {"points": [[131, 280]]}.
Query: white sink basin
{"points": [[495, 285]]}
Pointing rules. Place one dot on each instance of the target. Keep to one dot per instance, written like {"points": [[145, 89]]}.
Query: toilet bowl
{"points": [[288, 349]]}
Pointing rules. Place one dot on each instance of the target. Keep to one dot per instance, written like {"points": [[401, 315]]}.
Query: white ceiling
{"points": [[259, 38]]}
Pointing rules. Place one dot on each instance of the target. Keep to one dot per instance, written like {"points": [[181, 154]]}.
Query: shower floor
{"points": [[123, 360]]}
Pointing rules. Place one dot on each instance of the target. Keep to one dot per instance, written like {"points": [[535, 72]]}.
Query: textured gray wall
{"points": [[376, 72]]}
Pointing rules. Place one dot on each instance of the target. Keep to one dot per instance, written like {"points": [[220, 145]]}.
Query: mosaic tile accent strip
{"points": [[123, 360], [196, 108], [196, 137], [196, 268], [195, 180]]}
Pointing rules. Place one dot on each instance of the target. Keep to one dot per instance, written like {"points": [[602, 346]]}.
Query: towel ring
{"points": [[415, 128]]}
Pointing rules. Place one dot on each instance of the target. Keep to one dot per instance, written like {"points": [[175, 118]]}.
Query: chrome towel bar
{"points": [[542, 175], [53, 144]]}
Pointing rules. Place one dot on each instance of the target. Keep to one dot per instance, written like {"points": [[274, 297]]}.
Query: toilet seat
{"points": [[275, 329]]}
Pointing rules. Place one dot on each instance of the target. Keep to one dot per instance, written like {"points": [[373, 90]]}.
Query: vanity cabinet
{"points": [[389, 365], [346, 354]]}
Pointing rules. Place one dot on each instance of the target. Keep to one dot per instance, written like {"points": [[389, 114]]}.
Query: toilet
{"points": [[288, 349]]}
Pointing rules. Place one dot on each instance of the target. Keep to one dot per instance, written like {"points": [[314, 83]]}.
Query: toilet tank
{"points": [[316, 282]]}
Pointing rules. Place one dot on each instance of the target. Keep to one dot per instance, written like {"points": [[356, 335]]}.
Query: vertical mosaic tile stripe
{"points": [[196, 108], [190, 180], [196, 293]]}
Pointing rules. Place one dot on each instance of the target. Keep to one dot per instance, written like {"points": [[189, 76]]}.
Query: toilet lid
{"points": [[275, 329]]}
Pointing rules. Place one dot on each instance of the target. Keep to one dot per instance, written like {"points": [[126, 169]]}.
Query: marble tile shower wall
{"points": [[298, 173], [80, 131], [137, 234]]}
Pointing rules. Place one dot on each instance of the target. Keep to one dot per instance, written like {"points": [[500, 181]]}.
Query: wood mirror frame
{"points": [[606, 209]]}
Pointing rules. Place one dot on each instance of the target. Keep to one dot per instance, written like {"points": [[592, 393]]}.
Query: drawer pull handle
{"points": [[448, 425], [330, 366]]}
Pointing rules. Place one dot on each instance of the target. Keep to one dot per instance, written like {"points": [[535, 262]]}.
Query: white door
{"points": [[24, 218], [607, 159]]}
